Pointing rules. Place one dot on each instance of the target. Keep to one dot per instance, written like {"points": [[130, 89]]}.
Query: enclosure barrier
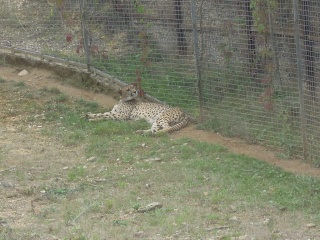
{"points": [[247, 68]]}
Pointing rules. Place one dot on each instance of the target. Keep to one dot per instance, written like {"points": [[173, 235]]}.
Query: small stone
{"points": [[155, 159], [139, 234], [234, 219], [129, 211], [7, 184], [91, 159], [65, 168], [149, 207], [311, 225], [243, 237], [233, 208], [100, 180], [283, 209], [23, 72], [221, 227], [266, 221]]}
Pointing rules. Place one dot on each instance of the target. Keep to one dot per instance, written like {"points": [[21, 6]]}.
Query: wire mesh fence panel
{"points": [[309, 40], [46, 27], [249, 67], [147, 41], [247, 91], [251, 83]]}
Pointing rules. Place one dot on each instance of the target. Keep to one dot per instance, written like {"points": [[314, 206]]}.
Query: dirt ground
{"points": [[40, 78]]}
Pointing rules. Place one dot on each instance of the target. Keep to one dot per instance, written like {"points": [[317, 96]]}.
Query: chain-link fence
{"points": [[249, 68]]}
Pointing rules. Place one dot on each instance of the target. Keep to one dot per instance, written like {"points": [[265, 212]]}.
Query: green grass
{"points": [[235, 109], [248, 120], [20, 84], [53, 90], [231, 100], [238, 176]]}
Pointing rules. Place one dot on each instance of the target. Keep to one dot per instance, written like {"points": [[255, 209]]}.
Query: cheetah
{"points": [[162, 118]]}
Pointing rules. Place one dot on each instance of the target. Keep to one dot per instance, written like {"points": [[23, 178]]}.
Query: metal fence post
{"points": [[182, 42], [251, 40], [85, 35], [197, 56], [300, 80], [308, 43], [273, 48]]}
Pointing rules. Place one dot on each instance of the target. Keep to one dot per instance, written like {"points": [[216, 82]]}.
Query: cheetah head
{"points": [[129, 92]]}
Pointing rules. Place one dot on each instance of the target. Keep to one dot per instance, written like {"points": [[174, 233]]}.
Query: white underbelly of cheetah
{"points": [[162, 118]]}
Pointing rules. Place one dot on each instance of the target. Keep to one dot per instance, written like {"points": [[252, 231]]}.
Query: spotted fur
{"points": [[162, 118]]}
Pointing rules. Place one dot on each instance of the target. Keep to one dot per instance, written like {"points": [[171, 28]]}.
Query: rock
{"points": [[23, 72], [155, 159], [283, 209], [311, 225], [7, 184], [91, 159], [2, 221], [139, 234], [149, 207], [233, 208], [244, 237], [234, 219], [266, 221]]}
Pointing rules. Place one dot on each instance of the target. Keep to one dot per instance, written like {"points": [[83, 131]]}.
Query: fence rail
{"points": [[249, 68]]}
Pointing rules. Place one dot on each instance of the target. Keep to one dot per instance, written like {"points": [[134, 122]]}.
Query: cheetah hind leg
{"points": [[175, 127]]}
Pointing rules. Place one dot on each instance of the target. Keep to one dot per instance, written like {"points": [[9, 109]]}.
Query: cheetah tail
{"points": [[176, 127]]}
